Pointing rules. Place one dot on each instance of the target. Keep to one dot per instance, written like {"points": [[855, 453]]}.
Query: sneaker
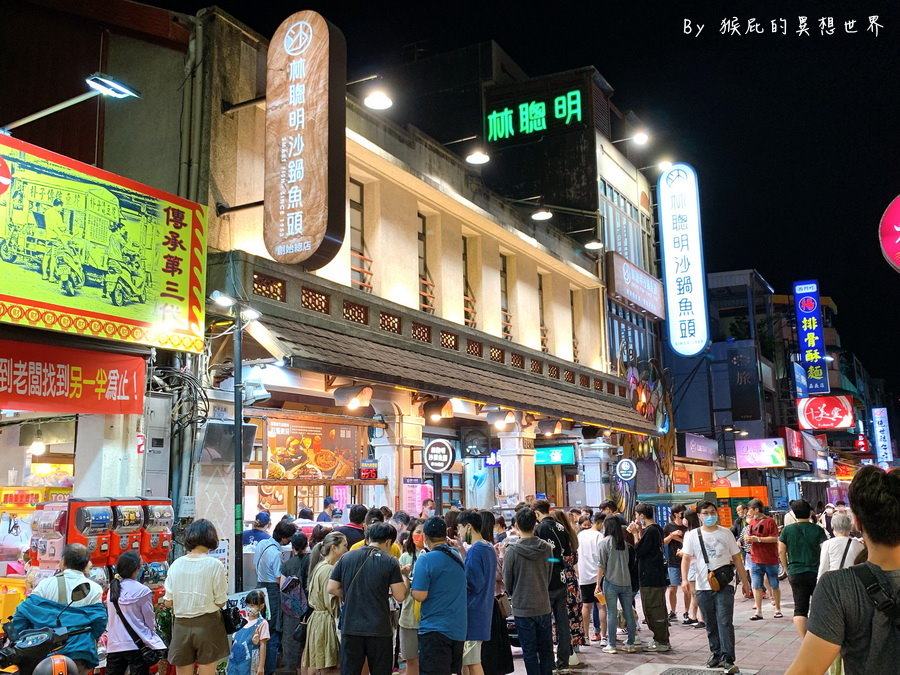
{"points": [[714, 662], [657, 647], [688, 621], [699, 624], [730, 668], [673, 616], [604, 641], [685, 616], [560, 671], [632, 649], [596, 638], [575, 662], [610, 650], [623, 631]]}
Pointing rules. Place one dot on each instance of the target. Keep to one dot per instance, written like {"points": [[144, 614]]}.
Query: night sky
{"points": [[794, 138]]}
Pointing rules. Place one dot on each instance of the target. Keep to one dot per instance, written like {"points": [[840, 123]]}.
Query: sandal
{"points": [[779, 615], [756, 617]]}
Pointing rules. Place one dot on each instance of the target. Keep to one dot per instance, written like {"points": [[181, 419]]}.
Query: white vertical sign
{"points": [[883, 452], [681, 243]]}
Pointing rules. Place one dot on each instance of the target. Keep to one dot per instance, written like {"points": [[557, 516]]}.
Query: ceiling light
{"points": [[38, 447], [353, 397], [378, 100], [550, 428], [478, 157], [250, 314], [222, 300], [640, 138], [437, 409], [110, 87], [594, 245], [743, 432], [542, 214]]}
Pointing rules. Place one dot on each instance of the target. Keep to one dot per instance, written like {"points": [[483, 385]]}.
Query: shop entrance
{"points": [[548, 480]]}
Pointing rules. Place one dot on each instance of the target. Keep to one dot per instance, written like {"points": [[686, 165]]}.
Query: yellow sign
{"points": [[87, 252]]}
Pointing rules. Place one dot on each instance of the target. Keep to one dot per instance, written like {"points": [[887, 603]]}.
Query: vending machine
{"points": [[127, 527], [89, 523], [156, 542], [49, 534]]}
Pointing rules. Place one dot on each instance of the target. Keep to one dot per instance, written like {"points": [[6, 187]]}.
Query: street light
{"points": [[376, 99], [476, 155], [640, 138], [99, 84]]}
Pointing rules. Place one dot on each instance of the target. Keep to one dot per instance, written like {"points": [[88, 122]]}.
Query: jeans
{"points": [[560, 611], [272, 650], [653, 598], [718, 611], [624, 596], [758, 572], [536, 640]]}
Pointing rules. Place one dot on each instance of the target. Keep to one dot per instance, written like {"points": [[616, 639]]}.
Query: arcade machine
{"points": [[156, 542], [89, 523], [48, 540]]}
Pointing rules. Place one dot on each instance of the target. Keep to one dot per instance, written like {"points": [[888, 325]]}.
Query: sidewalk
{"points": [[763, 647]]}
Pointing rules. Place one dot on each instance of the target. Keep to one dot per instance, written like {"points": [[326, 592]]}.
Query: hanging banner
{"points": [[743, 383], [86, 252], [889, 234], [681, 242], [306, 160], [811, 336], [825, 413], [38, 378], [883, 451]]}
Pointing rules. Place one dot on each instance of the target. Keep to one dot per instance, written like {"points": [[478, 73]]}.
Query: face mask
{"points": [[709, 521], [829, 511], [467, 537], [430, 513], [419, 540], [140, 575]]}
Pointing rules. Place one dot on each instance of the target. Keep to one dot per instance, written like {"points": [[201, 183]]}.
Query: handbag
{"points": [[505, 605], [231, 617], [719, 578], [149, 655], [301, 629]]}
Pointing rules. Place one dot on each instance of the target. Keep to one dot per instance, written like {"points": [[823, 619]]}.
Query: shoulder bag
{"points": [[231, 617], [719, 578], [883, 598], [149, 655], [846, 551]]}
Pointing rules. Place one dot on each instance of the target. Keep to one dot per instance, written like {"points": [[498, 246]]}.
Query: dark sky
{"points": [[794, 138]]}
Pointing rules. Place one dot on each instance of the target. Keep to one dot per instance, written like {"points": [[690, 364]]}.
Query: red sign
{"points": [[844, 471], [681, 476], [889, 234], [39, 378], [862, 443], [793, 442], [825, 412]]}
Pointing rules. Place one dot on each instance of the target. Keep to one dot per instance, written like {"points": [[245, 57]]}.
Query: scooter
{"points": [[126, 283], [68, 271]]}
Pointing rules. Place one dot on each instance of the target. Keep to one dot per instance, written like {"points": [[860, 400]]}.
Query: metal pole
{"points": [[238, 453], [52, 109]]}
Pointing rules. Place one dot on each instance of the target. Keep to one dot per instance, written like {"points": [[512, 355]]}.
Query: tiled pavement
{"points": [[763, 647]]}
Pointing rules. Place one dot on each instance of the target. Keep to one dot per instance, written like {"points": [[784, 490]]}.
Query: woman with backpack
{"points": [[293, 600]]}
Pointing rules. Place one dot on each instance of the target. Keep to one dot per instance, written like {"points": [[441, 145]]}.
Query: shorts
{"points": [[409, 643], [675, 576], [199, 639], [758, 571], [439, 655], [587, 593], [471, 653], [802, 585]]}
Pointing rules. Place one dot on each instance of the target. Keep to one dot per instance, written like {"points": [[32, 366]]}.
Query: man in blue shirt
{"points": [[326, 515], [258, 531], [438, 583], [481, 575]]}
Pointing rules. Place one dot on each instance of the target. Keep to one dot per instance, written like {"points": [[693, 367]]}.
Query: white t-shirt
{"points": [[196, 586], [833, 551], [49, 589], [720, 547], [588, 555]]}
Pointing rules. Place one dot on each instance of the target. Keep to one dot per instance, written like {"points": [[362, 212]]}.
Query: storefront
{"points": [[555, 467], [695, 464]]}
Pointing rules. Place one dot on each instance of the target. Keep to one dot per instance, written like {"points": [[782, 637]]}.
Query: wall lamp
{"points": [[437, 409], [501, 419], [640, 138], [550, 428], [353, 397], [376, 98], [476, 155]]}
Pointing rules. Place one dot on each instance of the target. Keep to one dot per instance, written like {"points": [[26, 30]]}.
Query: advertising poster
{"points": [[311, 450], [87, 252], [760, 453], [825, 413]]}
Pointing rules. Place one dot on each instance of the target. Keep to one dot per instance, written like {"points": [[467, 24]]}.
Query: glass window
{"points": [[360, 264], [505, 315], [471, 314], [426, 286]]}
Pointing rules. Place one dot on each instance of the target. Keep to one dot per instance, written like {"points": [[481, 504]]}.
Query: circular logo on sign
{"points": [[626, 273], [298, 38], [808, 304], [438, 456], [626, 469], [5, 176]]}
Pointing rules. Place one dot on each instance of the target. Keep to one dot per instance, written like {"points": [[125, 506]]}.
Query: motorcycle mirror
{"points": [[80, 592]]}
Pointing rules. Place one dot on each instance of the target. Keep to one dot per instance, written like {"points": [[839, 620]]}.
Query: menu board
{"points": [[311, 450]]}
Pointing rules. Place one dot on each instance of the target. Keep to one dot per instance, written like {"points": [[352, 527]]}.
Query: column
{"points": [[393, 446], [106, 460], [517, 462], [595, 462]]}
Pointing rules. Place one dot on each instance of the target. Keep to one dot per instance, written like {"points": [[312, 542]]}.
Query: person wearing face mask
{"points": [[710, 548], [414, 546], [481, 572], [428, 510], [825, 520], [132, 602]]}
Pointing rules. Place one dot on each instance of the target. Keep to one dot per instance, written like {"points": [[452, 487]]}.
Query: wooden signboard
{"points": [[306, 158]]}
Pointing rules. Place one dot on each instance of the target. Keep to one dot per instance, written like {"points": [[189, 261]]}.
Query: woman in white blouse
{"points": [[195, 590], [841, 550]]}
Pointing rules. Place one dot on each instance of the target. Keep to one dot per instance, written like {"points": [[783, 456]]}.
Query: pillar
{"points": [[517, 462], [106, 460], [596, 464], [394, 446]]}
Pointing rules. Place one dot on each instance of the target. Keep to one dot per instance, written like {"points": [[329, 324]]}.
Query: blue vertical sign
{"points": [[811, 336], [801, 390]]}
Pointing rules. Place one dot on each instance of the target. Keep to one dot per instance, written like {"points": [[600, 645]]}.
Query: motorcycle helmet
{"points": [[57, 664]]}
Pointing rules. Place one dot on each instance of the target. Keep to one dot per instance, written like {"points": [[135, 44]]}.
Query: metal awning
{"points": [[318, 349]]}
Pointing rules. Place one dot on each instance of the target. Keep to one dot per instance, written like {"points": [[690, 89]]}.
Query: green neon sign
{"points": [[532, 117]]}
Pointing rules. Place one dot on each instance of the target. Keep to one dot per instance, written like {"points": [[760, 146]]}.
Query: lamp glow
{"points": [[222, 300], [478, 157], [111, 87], [378, 100], [665, 165], [250, 314], [37, 447], [594, 245], [542, 214], [640, 138]]}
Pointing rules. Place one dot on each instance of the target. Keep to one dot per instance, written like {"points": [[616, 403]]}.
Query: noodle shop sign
{"points": [[307, 450]]}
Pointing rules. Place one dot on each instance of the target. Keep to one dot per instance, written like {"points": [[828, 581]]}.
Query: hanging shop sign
{"points": [[801, 389], [889, 234], [743, 383], [524, 112], [883, 451], [626, 469], [368, 469], [793, 442], [554, 454], [86, 252], [633, 286], [844, 471], [39, 378], [760, 453], [301, 449], [305, 167], [681, 241], [692, 446], [438, 456], [825, 413], [811, 336]]}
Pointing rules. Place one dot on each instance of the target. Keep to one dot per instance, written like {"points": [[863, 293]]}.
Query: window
{"points": [[471, 314], [545, 342], [633, 330], [360, 263], [426, 286], [576, 315], [505, 315]]}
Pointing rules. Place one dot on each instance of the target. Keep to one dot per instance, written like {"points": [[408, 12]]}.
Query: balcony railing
{"points": [[506, 324], [471, 315], [361, 271], [426, 295]]}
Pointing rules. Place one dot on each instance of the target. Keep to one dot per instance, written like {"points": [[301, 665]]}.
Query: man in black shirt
{"points": [[355, 531], [653, 575], [674, 539], [362, 578], [555, 534]]}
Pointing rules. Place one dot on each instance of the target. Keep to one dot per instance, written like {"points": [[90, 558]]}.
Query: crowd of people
{"points": [[450, 594]]}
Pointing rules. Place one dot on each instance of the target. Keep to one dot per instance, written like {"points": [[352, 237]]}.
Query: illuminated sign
{"points": [[760, 453], [682, 255], [692, 446], [825, 413], [811, 336], [631, 285], [626, 469], [557, 454], [86, 252], [520, 115], [883, 451], [793, 442], [801, 390], [438, 456], [305, 174], [889, 234]]}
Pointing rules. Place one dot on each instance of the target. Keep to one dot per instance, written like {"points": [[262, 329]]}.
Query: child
{"points": [[248, 651]]}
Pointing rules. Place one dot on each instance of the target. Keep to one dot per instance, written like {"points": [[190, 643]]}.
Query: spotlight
{"points": [[437, 409], [222, 300], [550, 428], [250, 314], [110, 87], [542, 214], [378, 100], [478, 157], [353, 397]]}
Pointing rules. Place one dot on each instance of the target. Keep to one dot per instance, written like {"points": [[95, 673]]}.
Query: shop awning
{"points": [[368, 356]]}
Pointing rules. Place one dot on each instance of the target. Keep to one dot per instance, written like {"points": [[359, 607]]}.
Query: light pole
{"points": [[243, 314]]}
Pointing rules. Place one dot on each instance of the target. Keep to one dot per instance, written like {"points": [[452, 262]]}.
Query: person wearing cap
{"points": [[258, 531], [326, 515], [455, 505]]}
